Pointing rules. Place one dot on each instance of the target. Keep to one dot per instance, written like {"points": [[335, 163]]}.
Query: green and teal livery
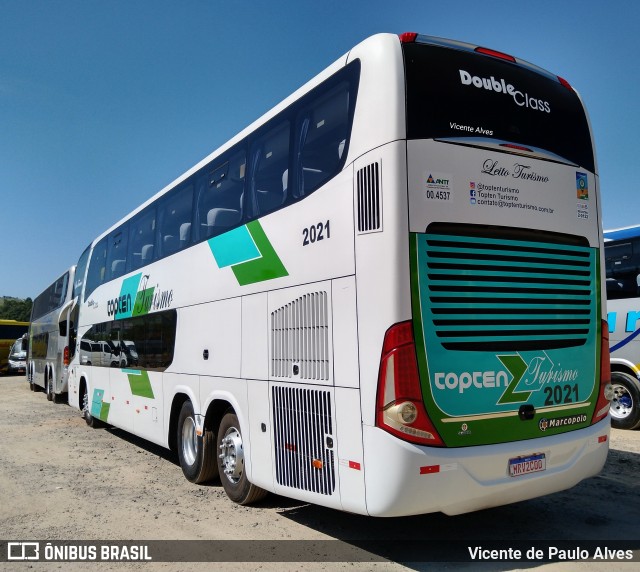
{"points": [[506, 333]]}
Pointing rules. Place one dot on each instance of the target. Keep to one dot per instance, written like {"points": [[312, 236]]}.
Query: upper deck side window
{"points": [[290, 156]]}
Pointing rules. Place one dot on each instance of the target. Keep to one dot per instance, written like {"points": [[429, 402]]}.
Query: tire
{"points": [[48, 387], [195, 452], [625, 405], [32, 386], [86, 412], [231, 463]]}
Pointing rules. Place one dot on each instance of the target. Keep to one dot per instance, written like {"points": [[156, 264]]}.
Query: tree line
{"points": [[15, 309]]}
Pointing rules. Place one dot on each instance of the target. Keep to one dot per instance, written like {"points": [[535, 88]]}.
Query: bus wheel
{"points": [[625, 405], [231, 463], [48, 387], [86, 412], [196, 453]]}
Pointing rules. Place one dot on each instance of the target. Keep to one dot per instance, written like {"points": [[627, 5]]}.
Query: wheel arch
{"points": [[625, 366], [82, 390]]}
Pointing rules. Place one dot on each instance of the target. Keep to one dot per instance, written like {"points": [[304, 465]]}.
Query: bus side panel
{"points": [[350, 462], [382, 261], [255, 337], [118, 396], [345, 332], [146, 403], [624, 321], [260, 431], [100, 399], [208, 340]]}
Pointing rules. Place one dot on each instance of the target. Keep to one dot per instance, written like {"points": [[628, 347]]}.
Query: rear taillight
{"points": [[496, 54], [399, 406], [605, 393], [408, 37], [66, 355], [564, 82], [516, 147]]}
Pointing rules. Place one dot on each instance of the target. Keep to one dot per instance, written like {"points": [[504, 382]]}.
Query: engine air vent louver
{"points": [[303, 426], [369, 199]]}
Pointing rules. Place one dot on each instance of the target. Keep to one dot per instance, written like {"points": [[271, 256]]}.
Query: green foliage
{"points": [[16, 309]]}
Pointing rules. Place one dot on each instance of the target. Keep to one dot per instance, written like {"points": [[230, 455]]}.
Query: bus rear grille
{"points": [[302, 426], [498, 294], [369, 199], [300, 337]]}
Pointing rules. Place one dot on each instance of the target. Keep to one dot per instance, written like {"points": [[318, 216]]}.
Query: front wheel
{"points": [[625, 405], [231, 463], [196, 452], [86, 412]]}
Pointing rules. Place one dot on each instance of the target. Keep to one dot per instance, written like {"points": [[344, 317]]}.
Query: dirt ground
{"points": [[61, 480]]}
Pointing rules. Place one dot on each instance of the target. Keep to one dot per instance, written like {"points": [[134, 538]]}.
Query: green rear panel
{"points": [[506, 334]]}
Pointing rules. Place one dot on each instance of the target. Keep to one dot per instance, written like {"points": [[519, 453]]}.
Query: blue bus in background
{"points": [[622, 263]]}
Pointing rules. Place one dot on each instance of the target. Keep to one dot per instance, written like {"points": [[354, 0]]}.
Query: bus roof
{"points": [[622, 233]]}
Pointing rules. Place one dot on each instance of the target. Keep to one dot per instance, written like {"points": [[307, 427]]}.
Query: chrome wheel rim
{"points": [[232, 455], [189, 441], [622, 402]]}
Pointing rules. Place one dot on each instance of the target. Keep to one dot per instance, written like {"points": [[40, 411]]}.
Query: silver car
{"points": [[18, 357]]}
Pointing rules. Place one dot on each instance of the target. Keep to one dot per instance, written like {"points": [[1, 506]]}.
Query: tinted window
{"points": [[221, 194], [323, 129], [52, 298], [81, 268], [142, 238], [97, 267], [174, 221], [454, 93], [117, 253], [39, 345], [144, 342], [270, 156], [11, 331], [623, 269], [73, 330]]}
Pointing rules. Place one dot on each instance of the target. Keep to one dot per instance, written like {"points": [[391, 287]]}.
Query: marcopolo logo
{"points": [[501, 86], [545, 424]]}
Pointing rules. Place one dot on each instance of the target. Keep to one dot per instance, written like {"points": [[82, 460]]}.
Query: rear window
{"points": [[455, 93]]}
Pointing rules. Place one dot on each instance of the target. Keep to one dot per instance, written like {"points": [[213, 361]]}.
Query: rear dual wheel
{"points": [[231, 463], [196, 452], [204, 458], [48, 387]]}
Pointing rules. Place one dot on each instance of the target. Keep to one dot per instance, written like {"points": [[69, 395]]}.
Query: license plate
{"points": [[526, 465]]}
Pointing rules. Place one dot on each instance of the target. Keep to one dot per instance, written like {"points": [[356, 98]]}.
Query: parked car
{"points": [[18, 356]]}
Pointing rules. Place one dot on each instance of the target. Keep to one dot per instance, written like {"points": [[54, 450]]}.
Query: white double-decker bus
{"points": [[384, 296], [50, 346]]}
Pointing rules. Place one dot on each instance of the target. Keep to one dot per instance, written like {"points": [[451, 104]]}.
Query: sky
{"points": [[103, 103]]}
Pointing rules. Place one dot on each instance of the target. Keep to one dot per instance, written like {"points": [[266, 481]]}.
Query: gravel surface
{"points": [[62, 480]]}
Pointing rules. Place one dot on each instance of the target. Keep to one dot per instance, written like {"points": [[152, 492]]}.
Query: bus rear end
{"points": [[494, 392]]}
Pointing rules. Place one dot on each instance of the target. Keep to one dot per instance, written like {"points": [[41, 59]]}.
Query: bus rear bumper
{"points": [[404, 479]]}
